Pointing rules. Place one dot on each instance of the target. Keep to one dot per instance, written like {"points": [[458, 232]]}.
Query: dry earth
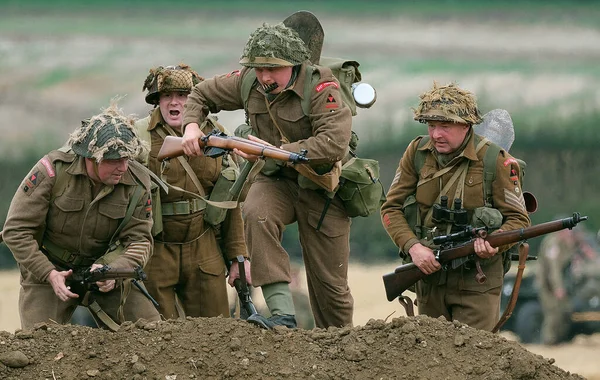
{"points": [[223, 348]]}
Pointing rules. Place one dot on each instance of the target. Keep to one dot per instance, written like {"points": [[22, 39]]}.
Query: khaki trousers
{"points": [[456, 295], [274, 202], [191, 274], [38, 303]]}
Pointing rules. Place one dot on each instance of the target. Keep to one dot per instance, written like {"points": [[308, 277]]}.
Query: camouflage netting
{"points": [[170, 78], [272, 46], [107, 136], [448, 103]]}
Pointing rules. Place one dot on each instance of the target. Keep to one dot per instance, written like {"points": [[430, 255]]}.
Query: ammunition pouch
{"points": [[221, 192]]}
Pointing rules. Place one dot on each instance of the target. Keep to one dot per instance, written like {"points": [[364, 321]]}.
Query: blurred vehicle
{"points": [[527, 316]]}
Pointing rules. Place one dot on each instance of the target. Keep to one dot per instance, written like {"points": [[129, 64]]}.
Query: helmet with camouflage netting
{"points": [[448, 103], [274, 46], [109, 135], [171, 78]]}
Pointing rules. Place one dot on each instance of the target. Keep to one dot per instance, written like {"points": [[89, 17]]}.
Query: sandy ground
{"points": [[579, 356]]}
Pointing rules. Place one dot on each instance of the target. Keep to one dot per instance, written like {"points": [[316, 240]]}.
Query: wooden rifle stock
{"points": [[406, 275], [172, 148]]}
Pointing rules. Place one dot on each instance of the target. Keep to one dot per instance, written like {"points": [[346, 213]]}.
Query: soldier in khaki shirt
{"points": [[187, 263], [65, 214], [453, 166], [279, 196]]}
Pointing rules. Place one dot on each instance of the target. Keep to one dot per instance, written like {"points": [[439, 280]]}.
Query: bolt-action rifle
{"points": [[459, 245], [217, 143], [85, 280]]}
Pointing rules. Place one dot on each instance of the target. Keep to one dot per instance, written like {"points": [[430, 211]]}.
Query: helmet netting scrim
{"points": [[448, 103], [109, 135], [272, 46], [170, 78]]}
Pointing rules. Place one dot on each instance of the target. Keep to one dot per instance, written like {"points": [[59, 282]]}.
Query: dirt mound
{"points": [[221, 348]]}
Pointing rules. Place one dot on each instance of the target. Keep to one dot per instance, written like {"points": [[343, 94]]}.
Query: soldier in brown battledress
{"points": [[187, 268], [452, 159], [82, 208], [277, 57]]}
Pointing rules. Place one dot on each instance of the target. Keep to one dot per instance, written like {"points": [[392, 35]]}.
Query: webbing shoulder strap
{"points": [[248, 82], [420, 155], [489, 172]]}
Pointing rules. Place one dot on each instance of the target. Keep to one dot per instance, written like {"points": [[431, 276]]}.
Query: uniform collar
{"points": [[155, 119], [78, 168]]}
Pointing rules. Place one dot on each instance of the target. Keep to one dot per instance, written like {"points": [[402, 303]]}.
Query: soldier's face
{"points": [[108, 172], [171, 107], [446, 136], [267, 76]]}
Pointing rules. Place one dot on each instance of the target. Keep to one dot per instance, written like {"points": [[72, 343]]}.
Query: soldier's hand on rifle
{"points": [[483, 248], [58, 281], [191, 140], [424, 259], [251, 157], [234, 273], [106, 285]]}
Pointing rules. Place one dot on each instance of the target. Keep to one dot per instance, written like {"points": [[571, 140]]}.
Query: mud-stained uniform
{"points": [[276, 200], [75, 220], [187, 262], [455, 293]]}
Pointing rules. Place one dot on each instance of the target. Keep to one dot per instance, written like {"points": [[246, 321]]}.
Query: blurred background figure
{"points": [[567, 271]]}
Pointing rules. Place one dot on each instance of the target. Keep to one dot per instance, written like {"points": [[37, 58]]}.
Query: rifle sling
{"points": [[510, 306]]}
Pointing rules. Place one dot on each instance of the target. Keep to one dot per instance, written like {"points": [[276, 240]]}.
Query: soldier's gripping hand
{"points": [[58, 281], [234, 273], [191, 140], [106, 285], [424, 258]]}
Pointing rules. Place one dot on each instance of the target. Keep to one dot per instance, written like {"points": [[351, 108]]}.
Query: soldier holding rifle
{"points": [[277, 57], [444, 196], [81, 208]]}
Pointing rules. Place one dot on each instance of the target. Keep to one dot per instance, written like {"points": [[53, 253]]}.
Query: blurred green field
{"points": [[61, 61]]}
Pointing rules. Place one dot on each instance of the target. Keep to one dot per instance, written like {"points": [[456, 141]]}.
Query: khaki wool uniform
{"points": [[276, 200], [83, 224], [455, 293], [187, 262]]}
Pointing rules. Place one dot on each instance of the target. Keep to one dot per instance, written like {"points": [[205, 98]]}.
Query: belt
{"points": [[183, 207], [65, 257]]}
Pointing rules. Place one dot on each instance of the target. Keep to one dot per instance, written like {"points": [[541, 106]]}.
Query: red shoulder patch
{"points": [[323, 85], [236, 73], [48, 165], [509, 161], [386, 220]]}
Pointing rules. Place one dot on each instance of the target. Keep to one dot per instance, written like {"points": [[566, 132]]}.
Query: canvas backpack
{"points": [[360, 187]]}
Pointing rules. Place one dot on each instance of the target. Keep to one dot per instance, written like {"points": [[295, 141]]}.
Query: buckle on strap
{"points": [[183, 207]]}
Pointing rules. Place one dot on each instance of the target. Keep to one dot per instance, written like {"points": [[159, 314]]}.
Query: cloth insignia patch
{"points": [[510, 161], [48, 165], [31, 182], [148, 208], [236, 73], [515, 200], [386, 220], [331, 102], [321, 86]]}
